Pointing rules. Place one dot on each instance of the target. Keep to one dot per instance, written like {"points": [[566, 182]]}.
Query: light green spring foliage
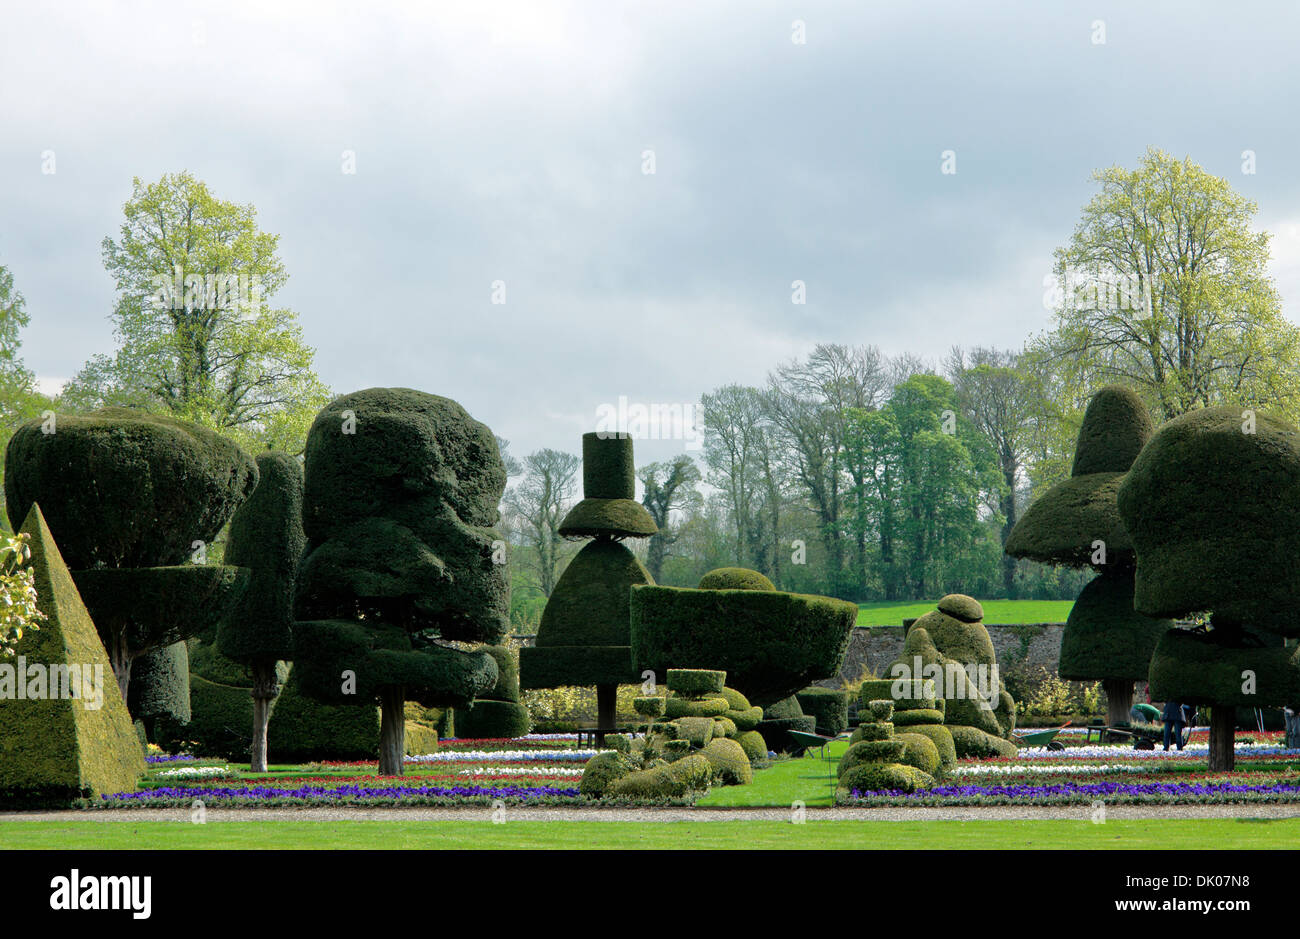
{"points": [[19, 399], [18, 611], [198, 334]]}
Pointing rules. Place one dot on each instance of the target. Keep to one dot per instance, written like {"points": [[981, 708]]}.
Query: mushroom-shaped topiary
{"points": [[735, 578], [1077, 523], [583, 636], [1213, 505], [401, 494], [770, 643], [133, 500]]}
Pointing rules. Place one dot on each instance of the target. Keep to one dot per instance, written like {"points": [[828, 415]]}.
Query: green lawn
{"points": [[1008, 612], [1217, 834], [808, 779]]}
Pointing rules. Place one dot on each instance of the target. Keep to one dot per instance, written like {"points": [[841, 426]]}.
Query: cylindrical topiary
{"points": [[828, 706], [160, 687]]}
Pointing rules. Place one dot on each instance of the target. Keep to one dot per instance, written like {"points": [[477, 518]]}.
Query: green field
{"points": [[1009, 612], [1218, 834]]}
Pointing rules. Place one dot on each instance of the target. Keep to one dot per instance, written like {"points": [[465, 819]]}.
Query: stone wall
{"points": [[874, 647]]}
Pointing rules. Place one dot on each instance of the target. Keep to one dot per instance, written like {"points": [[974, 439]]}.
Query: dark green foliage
{"points": [[220, 724], [602, 770], [1104, 636], [971, 742], [159, 606], [584, 634], [777, 733], [302, 729], [906, 694], [1212, 513], [1192, 668], [770, 644], [1115, 428], [493, 719], [400, 516], [881, 710], [650, 707], [735, 700], [620, 742], [921, 752], [123, 488], [785, 708], [735, 578], [207, 661], [160, 684], [941, 737], [266, 537], [691, 773], [731, 766], [872, 731], [1062, 524], [381, 656], [696, 681], [828, 707], [747, 719], [608, 507], [889, 750], [507, 686], [54, 751]]}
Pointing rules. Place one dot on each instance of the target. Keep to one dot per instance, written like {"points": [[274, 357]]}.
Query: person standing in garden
{"points": [[1175, 719]]}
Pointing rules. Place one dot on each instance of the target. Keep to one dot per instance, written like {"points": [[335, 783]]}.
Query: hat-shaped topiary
{"points": [[608, 508], [1213, 504], [1077, 523]]}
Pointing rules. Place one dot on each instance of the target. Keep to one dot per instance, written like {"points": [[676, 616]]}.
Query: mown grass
{"points": [[1217, 834], [1008, 612]]}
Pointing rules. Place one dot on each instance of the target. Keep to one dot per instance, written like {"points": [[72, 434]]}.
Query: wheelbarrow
{"points": [[1043, 738]]}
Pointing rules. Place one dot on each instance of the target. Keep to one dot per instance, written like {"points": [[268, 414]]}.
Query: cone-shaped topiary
{"points": [[55, 749], [135, 498], [583, 638], [1213, 505], [266, 537], [770, 643], [1077, 523], [401, 494]]}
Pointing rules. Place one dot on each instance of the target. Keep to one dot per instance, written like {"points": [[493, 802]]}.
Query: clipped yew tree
{"points": [[1077, 523], [497, 713], [770, 643], [133, 499], [266, 537], [160, 688], [400, 504], [1213, 505], [583, 638]]}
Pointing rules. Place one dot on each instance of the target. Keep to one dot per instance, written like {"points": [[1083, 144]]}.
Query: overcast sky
{"points": [[505, 142]]}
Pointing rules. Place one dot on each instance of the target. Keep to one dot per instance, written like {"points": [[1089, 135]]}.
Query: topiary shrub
{"points": [[160, 686], [55, 751], [735, 578], [730, 763], [943, 742], [687, 775], [885, 777], [920, 752], [602, 770], [400, 502], [753, 744], [973, 743], [306, 730], [770, 644], [696, 681], [493, 719], [829, 708]]}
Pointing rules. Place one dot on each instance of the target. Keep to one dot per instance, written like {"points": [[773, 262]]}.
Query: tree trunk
{"points": [[1223, 727], [265, 687], [1119, 700], [606, 699], [119, 662], [392, 730]]}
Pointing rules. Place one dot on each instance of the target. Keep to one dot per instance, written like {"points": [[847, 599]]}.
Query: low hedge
{"points": [[829, 707], [493, 719]]}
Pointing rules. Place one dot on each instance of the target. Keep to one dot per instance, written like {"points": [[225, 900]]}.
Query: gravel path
{"points": [[558, 814]]}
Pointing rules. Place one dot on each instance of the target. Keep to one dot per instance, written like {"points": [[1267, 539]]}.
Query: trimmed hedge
{"points": [[770, 644], [492, 719], [691, 773], [752, 742], [160, 684], [874, 777], [1194, 668], [918, 716], [971, 742], [777, 736], [507, 684], [735, 578], [608, 508], [697, 681], [1116, 426], [303, 730], [829, 707], [123, 488], [786, 707], [220, 725], [602, 771], [941, 737], [1061, 525], [920, 752], [730, 764], [872, 731], [55, 751]]}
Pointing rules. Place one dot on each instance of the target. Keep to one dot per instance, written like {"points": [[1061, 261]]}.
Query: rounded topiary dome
{"points": [[1116, 426], [122, 488], [1213, 507], [735, 578]]}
